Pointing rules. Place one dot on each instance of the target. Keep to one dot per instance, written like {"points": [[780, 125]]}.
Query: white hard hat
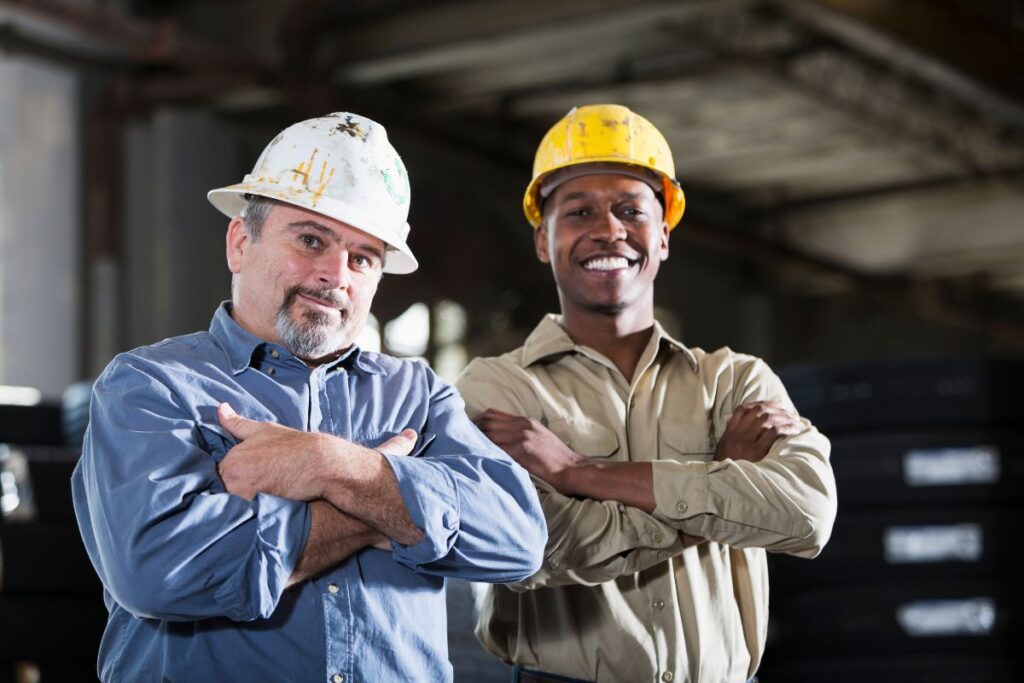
{"points": [[342, 166]]}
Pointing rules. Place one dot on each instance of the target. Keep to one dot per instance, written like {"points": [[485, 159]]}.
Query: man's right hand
{"points": [[285, 462], [753, 428]]}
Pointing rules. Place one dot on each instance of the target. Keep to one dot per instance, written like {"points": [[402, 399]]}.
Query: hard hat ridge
{"points": [[341, 166], [599, 138]]}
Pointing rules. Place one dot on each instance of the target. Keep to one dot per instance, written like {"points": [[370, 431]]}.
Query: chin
{"points": [[609, 309]]}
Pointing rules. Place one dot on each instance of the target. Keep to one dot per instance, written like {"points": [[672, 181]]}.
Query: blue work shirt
{"points": [[195, 577]]}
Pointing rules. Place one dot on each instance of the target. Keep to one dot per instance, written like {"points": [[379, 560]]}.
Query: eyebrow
{"points": [[327, 232]]}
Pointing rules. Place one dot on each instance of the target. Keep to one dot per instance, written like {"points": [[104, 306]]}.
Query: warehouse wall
{"points": [[39, 225]]}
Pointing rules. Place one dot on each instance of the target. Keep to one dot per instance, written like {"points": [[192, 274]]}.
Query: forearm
{"points": [[364, 486], [784, 503], [333, 536], [629, 483]]}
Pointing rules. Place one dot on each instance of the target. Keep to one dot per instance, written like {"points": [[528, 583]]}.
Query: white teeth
{"points": [[606, 263]]}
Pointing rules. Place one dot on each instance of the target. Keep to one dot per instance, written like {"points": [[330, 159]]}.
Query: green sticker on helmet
{"points": [[397, 182]]}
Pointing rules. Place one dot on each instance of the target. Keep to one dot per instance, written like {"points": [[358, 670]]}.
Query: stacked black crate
{"points": [[920, 579], [51, 606]]}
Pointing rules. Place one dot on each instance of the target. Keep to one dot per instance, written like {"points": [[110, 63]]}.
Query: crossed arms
{"points": [[174, 538], [768, 485]]}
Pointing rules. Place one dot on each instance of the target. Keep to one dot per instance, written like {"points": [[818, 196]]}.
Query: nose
{"points": [[333, 270], [608, 228]]}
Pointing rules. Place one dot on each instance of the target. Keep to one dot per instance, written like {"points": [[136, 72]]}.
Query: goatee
{"points": [[310, 337]]}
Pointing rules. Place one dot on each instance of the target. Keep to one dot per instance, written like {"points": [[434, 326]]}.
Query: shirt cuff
{"points": [[282, 528], [680, 491], [431, 497]]}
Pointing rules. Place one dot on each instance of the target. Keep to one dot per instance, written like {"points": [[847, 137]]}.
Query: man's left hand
{"points": [[529, 443]]}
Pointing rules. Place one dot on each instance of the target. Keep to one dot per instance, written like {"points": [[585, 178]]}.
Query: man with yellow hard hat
{"points": [[665, 472]]}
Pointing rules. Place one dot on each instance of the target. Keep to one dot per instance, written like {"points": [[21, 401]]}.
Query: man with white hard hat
{"points": [[266, 501], [665, 472]]}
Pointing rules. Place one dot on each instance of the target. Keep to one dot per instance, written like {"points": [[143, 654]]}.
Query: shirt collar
{"points": [[241, 345], [549, 338]]}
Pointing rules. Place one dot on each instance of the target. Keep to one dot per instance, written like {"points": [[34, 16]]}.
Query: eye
{"points": [[578, 211], [363, 261], [311, 241]]}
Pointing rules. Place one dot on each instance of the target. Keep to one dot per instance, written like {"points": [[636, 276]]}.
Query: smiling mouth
{"points": [[607, 263]]}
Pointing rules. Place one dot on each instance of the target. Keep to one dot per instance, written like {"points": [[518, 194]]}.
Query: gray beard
{"points": [[309, 338]]}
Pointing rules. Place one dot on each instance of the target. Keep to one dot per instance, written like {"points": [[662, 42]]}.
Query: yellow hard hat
{"points": [[605, 133]]}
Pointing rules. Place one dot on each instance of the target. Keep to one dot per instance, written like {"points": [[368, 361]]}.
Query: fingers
{"points": [[400, 444], [495, 413], [765, 415], [501, 427], [239, 427]]}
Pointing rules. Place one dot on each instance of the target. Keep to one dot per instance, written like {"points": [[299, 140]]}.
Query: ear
{"points": [[540, 242], [663, 247], [236, 241]]}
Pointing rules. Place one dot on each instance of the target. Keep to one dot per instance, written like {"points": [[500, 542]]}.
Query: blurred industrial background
{"points": [[854, 172]]}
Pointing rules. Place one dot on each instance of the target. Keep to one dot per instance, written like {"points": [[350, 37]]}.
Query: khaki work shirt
{"points": [[618, 599]]}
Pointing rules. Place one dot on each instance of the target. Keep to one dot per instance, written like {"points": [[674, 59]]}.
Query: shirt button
{"points": [[681, 506], [656, 537], [274, 353], [667, 676], [659, 604], [271, 371], [337, 678], [663, 556], [332, 587]]}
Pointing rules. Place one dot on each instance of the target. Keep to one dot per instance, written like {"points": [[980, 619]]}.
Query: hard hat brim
{"points": [[231, 201], [673, 196]]}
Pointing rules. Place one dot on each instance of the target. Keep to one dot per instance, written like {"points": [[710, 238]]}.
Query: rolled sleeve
{"points": [[475, 503], [431, 497], [282, 528], [785, 502], [166, 539]]}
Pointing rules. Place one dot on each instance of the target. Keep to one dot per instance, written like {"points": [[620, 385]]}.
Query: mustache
{"points": [[325, 295]]}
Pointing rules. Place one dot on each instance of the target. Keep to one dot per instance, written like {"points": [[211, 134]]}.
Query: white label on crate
{"points": [[969, 617], [951, 466], [947, 543]]}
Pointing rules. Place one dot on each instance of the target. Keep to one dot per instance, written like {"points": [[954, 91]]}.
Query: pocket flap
{"points": [[686, 437], [586, 437]]}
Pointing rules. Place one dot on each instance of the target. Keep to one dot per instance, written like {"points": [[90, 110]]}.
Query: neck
{"points": [[620, 337]]}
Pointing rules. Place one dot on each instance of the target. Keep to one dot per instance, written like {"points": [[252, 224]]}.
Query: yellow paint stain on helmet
{"points": [[304, 168], [323, 182]]}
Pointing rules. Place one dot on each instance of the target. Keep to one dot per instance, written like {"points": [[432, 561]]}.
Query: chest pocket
{"points": [[687, 439], [586, 437]]}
